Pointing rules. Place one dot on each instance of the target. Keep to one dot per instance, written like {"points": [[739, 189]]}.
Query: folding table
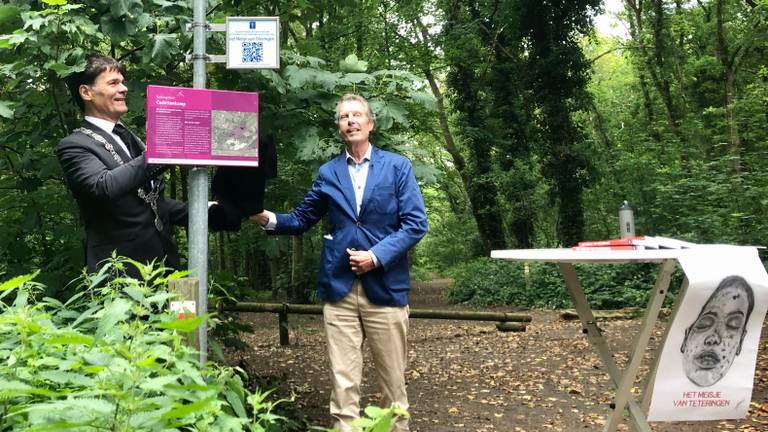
{"points": [[623, 380]]}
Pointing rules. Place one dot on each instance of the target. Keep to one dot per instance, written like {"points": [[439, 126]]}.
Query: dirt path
{"points": [[466, 376]]}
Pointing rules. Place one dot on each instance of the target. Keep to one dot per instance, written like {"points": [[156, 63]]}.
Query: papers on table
{"points": [[634, 243]]}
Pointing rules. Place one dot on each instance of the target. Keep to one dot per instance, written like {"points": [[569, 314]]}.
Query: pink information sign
{"points": [[188, 126]]}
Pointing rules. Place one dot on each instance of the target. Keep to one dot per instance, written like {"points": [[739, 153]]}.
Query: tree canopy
{"points": [[526, 126]]}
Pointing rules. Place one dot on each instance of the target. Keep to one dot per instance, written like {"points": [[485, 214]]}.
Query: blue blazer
{"points": [[392, 220]]}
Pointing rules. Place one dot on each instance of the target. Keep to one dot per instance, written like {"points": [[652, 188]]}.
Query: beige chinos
{"points": [[350, 321]]}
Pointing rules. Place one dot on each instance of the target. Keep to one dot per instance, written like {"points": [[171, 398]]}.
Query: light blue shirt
{"points": [[358, 172]]}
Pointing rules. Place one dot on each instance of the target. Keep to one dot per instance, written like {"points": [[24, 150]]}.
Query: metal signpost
{"points": [[252, 43], [198, 188]]}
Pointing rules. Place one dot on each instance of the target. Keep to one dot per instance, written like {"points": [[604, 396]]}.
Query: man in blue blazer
{"points": [[376, 214]]}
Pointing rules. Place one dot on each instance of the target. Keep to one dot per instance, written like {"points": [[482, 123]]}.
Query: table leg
{"points": [[590, 328], [623, 393], [622, 382], [651, 379]]}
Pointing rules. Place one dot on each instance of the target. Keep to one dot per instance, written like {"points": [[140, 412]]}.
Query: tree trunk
{"points": [[478, 176], [298, 288], [657, 66], [449, 142], [730, 116], [387, 38], [727, 60], [648, 106], [249, 267], [172, 185], [274, 269], [184, 184], [598, 126], [635, 30], [655, 61], [222, 252]]}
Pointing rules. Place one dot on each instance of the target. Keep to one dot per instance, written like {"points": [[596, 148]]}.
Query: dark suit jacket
{"points": [[115, 217], [239, 191], [392, 220]]}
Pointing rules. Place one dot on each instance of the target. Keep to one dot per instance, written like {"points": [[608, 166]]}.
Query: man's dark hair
{"points": [[95, 65]]}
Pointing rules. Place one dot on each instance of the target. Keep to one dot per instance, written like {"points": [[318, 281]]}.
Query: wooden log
{"points": [[510, 327], [470, 315], [604, 315], [505, 321], [275, 308], [414, 313]]}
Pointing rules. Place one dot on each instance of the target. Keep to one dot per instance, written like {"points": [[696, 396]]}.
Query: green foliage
{"points": [[452, 237], [485, 282], [41, 44], [375, 419], [113, 358], [516, 77], [298, 106], [44, 42], [689, 162], [379, 419], [674, 121], [353, 64]]}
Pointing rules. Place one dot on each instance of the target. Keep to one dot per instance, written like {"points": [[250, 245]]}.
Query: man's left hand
{"points": [[360, 261]]}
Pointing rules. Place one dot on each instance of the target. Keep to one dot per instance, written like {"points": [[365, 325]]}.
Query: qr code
{"points": [[253, 52]]}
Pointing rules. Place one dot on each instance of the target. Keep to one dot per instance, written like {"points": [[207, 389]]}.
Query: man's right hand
{"points": [[262, 218]]}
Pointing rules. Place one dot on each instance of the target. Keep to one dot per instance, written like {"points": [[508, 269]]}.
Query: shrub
{"points": [[486, 281], [112, 358]]}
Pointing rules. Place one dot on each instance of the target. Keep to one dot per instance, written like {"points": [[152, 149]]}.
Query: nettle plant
{"points": [[112, 358]]}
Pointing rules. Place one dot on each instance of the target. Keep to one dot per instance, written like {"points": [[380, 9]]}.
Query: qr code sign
{"points": [[253, 52]]}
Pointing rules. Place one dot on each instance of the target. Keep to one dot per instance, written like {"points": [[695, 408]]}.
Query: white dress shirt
{"points": [[107, 126]]}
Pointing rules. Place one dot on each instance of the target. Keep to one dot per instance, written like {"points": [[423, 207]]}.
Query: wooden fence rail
{"points": [[505, 321]]}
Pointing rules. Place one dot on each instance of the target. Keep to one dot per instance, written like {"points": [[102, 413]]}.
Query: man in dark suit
{"points": [[376, 215], [120, 197]]}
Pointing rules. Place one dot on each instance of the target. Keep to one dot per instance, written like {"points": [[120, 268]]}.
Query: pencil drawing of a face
{"points": [[713, 341]]}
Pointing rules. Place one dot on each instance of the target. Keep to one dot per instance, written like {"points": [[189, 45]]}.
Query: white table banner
{"points": [[707, 364]]}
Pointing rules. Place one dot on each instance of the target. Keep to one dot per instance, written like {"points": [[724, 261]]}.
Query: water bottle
{"points": [[626, 220]]}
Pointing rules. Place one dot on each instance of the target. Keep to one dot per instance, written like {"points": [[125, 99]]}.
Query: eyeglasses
{"points": [[356, 116]]}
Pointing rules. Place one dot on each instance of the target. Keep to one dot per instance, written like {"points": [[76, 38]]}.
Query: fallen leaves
{"points": [[466, 376]]}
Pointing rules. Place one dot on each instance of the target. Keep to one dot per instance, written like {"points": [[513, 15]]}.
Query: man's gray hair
{"points": [[349, 97]]}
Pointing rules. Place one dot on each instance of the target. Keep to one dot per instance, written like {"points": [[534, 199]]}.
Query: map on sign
{"points": [[235, 134], [202, 127]]}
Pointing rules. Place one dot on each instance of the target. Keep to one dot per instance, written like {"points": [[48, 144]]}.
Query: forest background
{"points": [[526, 126]]}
